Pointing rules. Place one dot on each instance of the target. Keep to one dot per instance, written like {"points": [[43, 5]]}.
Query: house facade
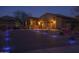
{"points": [[50, 21]]}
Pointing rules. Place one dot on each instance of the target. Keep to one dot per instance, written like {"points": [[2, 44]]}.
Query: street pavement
{"points": [[30, 41]]}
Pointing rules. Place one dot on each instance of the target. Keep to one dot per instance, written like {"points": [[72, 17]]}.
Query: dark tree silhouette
{"points": [[22, 16], [76, 13]]}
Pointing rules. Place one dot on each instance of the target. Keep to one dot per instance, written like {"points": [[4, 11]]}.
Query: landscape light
{"points": [[6, 49], [7, 38], [72, 41]]}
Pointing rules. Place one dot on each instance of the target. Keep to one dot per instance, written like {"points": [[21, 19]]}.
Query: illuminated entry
{"points": [[43, 24]]}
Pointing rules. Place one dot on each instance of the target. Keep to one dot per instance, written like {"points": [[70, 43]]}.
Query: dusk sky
{"points": [[36, 11]]}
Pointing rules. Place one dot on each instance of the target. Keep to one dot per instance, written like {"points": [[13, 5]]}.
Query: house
{"points": [[32, 23], [49, 21]]}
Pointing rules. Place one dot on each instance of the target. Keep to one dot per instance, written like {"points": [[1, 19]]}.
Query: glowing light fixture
{"points": [[39, 22], [7, 49], [31, 22], [7, 38], [54, 21], [72, 41]]}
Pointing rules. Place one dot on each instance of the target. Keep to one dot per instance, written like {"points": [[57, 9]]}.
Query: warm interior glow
{"points": [[31, 22], [54, 21], [34, 24], [39, 22], [52, 24]]}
